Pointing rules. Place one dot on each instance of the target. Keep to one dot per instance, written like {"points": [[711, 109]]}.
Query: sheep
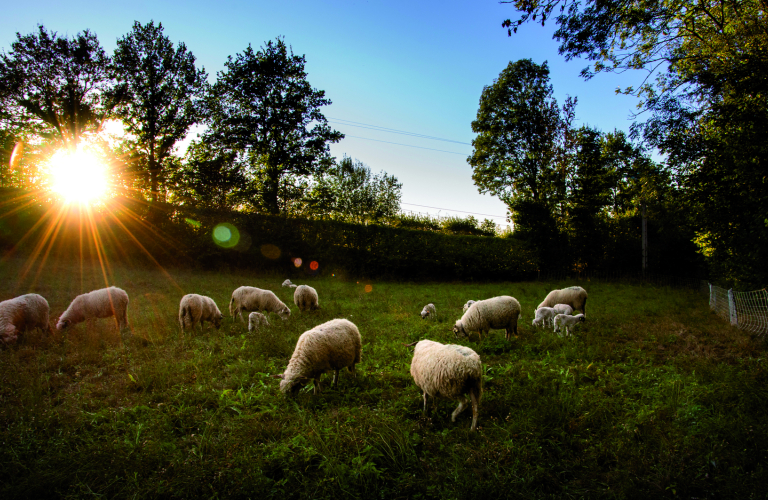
{"points": [[429, 310], [544, 316], [101, 303], [563, 309], [469, 303], [574, 296], [565, 321], [198, 309], [255, 319], [288, 284], [450, 371], [25, 312], [248, 298], [333, 345], [483, 315], [305, 298]]}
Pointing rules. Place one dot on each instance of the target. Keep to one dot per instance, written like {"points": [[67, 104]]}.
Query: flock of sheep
{"points": [[439, 370]]}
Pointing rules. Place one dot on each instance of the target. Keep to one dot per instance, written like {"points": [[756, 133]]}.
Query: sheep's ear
{"points": [[278, 375]]}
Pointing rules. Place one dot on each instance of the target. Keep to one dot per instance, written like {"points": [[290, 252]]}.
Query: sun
{"points": [[78, 176]]}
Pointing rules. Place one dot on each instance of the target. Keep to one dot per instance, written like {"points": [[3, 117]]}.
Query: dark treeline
{"points": [[576, 195]]}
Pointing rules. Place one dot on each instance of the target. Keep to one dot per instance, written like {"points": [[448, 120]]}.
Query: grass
{"points": [[653, 397]]}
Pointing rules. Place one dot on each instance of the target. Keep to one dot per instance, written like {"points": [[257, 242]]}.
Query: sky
{"points": [[401, 65]]}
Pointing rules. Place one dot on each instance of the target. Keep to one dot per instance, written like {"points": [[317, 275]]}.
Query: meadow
{"points": [[654, 396]]}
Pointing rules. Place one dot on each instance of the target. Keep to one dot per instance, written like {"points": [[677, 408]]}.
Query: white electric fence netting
{"points": [[746, 310]]}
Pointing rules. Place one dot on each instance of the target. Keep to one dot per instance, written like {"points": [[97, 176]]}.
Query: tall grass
{"points": [[654, 396]]}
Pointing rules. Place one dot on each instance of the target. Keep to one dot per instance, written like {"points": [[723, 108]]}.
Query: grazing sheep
{"points": [[469, 303], [255, 319], [429, 310], [248, 298], [198, 309], [101, 303], [483, 315], [288, 284], [565, 321], [544, 316], [25, 312], [333, 345], [574, 296], [450, 371], [305, 298], [563, 309]]}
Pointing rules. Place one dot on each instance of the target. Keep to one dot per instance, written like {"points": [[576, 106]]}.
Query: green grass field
{"points": [[653, 397]]}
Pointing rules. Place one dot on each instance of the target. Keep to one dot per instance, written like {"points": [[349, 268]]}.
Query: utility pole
{"points": [[644, 225]]}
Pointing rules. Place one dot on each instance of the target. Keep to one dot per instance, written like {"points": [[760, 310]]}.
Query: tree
{"points": [[159, 94], [707, 97], [54, 86], [520, 151], [350, 192], [263, 107]]}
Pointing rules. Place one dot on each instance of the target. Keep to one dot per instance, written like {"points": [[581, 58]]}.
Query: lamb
{"points": [[563, 309], [198, 309], [288, 284], [565, 321], [544, 315], [574, 296], [483, 315], [333, 345], [25, 312], [451, 371], [469, 303], [255, 319], [429, 311], [248, 298], [101, 303], [305, 298]]}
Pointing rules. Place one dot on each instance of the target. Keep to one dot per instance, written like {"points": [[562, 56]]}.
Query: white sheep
{"points": [[255, 319], [574, 296], [248, 298], [305, 298], [101, 303], [429, 311], [198, 309], [563, 309], [544, 316], [484, 315], [469, 303], [566, 320], [25, 312], [333, 345], [450, 371], [288, 284]]}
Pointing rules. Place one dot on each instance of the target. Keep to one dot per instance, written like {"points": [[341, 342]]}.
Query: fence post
{"points": [[711, 297], [732, 308]]}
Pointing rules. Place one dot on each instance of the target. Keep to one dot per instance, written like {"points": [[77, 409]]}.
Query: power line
{"points": [[393, 130], [452, 210], [406, 145]]}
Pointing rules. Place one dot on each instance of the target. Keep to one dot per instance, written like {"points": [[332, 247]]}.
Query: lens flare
{"points": [[270, 251], [368, 288], [226, 235], [297, 262], [314, 265], [78, 175]]}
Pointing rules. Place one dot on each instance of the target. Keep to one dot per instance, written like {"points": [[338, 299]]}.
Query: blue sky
{"points": [[411, 66]]}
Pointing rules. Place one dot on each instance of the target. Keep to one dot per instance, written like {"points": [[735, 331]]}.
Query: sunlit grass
{"points": [[653, 397]]}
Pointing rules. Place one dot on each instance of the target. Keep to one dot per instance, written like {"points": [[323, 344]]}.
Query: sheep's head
{"points": [[424, 314], [217, 320], [459, 330], [582, 318], [284, 313], [291, 387], [63, 324]]}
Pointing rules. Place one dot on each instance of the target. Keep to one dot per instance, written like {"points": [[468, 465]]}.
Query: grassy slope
{"points": [[654, 396]]}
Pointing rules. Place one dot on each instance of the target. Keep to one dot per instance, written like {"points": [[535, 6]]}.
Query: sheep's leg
{"points": [[353, 370], [335, 378], [474, 394], [462, 406], [425, 402], [317, 385]]}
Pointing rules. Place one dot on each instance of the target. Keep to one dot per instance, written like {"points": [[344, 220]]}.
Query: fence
{"points": [[745, 310]]}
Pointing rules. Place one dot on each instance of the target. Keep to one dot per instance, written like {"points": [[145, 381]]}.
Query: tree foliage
{"points": [[55, 86], [159, 95], [263, 107]]}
